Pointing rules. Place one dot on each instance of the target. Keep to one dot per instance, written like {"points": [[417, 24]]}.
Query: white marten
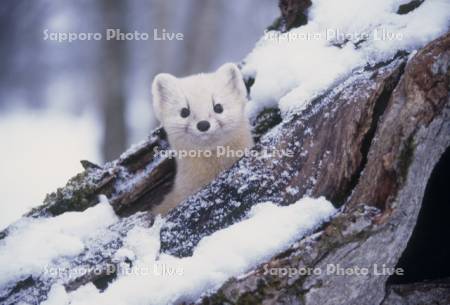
{"points": [[201, 114]]}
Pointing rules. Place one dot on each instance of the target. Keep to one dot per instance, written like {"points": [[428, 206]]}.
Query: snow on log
{"points": [[319, 152], [413, 133]]}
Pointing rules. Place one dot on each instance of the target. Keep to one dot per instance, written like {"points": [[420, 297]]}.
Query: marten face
{"points": [[203, 110]]}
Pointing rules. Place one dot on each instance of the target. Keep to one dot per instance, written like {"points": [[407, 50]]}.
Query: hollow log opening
{"points": [[427, 256]]}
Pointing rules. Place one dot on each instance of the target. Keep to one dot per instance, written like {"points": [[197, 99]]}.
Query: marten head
{"points": [[202, 110]]}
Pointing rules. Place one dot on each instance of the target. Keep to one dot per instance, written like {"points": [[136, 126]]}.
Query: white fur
{"points": [[228, 129]]}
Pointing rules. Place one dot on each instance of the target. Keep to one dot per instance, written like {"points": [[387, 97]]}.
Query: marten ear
{"points": [[164, 90], [232, 77]]}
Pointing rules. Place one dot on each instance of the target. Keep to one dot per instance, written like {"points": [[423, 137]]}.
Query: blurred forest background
{"points": [[63, 102]]}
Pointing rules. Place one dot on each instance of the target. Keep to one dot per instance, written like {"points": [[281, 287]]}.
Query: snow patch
{"points": [[32, 244], [292, 70], [41, 150], [164, 279]]}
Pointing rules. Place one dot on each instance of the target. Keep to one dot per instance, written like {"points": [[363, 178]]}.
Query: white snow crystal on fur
{"points": [[165, 279]]}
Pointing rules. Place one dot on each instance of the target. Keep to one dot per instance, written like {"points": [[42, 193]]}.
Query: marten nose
{"points": [[203, 126]]}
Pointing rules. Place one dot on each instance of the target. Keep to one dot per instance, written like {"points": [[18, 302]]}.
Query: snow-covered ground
{"points": [[40, 152], [293, 68], [163, 279]]}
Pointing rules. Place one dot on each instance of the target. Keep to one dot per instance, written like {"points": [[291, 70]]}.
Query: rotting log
{"points": [[320, 152], [380, 212], [134, 182], [95, 265]]}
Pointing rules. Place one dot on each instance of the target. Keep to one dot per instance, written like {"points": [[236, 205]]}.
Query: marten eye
{"points": [[185, 112], [218, 108]]}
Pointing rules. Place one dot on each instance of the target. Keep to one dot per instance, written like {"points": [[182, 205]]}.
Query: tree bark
{"points": [[324, 163], [435, 292], [412, 134]]}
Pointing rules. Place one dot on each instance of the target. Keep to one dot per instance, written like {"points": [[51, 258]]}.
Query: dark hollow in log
{"points": [[427, 256]]}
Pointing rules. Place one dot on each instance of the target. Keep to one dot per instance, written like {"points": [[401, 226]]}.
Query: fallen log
{"points": [[320, 162], [380, 213]]}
